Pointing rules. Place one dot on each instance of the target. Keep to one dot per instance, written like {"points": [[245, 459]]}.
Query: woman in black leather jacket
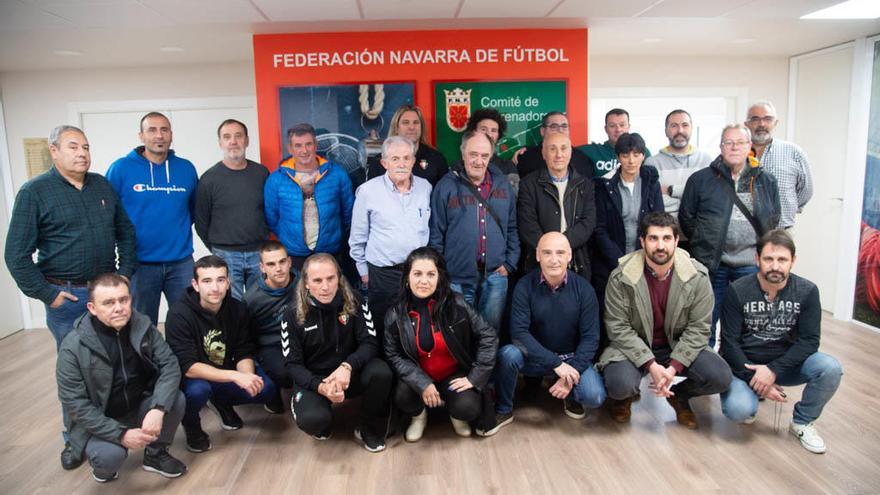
{"points": [[441, 349]]}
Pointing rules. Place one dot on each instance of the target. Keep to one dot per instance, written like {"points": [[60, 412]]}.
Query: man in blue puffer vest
{"points": [[308, 199]]}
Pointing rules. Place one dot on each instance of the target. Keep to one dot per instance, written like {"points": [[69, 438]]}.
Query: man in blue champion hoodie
{"points": [[157, 189]]}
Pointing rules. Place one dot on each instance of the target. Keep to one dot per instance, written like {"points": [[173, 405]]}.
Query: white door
{"points": [[821, 86]]}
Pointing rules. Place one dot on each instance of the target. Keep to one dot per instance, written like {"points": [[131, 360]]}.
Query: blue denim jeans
{"points": [[244, 269], [721, 278], [590, 391], [151, 280], [820, 372], [60, 320], [487, 296], [198, 392]]}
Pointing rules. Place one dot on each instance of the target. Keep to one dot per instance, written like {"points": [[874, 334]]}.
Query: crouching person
{"points": [[330, 350], [442, 350], [118, 380]]}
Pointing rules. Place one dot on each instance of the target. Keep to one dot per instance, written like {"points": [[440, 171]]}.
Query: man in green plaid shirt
{"points": [[74, 220]]}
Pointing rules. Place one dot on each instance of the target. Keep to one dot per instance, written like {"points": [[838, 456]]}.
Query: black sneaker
{"points": [[229, 419], [274, 405], [500, 420], [100, 478], [574, 409], [324, 435], [68, 461], [160, 461], [196, 439], [372, 442]]}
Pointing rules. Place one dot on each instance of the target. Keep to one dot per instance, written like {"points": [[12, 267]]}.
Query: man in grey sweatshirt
{"points": [[677, 161]]}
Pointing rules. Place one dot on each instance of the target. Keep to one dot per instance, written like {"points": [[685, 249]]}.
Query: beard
{"points": [[660, 257], [679, 141], [762, 136]]}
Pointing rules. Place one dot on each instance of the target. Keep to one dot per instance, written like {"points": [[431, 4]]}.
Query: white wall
{"points": [[760, 78], [35, 102]]}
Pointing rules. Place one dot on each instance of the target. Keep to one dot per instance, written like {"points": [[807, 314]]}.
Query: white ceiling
{"points": [[118, 33]]}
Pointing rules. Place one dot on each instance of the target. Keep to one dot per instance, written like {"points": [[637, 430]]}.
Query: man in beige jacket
{"points": [[658, 307]]}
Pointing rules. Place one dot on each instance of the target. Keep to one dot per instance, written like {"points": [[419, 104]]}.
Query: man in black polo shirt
{"points": [[75, 221]]}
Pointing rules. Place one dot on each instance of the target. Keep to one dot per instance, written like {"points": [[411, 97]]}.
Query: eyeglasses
{"points": [[767, 119], [727, 143], [557, 127]]}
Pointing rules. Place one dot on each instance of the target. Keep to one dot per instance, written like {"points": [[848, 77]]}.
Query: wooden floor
{"points": [[541, 452]]}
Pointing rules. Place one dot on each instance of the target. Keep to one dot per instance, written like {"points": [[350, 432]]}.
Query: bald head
{"points": [[554, 255], [556, 151]]}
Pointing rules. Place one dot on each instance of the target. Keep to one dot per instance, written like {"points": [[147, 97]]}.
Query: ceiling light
{"points": [[171, 49], [67, 53], [851, 9], [652, 40]]}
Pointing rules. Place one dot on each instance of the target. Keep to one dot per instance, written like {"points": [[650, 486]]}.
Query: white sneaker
{"points": [[750, 420], [461, 428], [416, 427], [808, 436]]}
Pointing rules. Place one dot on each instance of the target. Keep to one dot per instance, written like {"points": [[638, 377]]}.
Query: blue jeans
{"points": [[244, 269], [820, 372], [198, 392], [721, 278], [60, 320], [487, 296], [152, 279], [590, 391]]}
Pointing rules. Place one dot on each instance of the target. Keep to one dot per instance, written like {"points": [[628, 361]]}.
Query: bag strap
{"points": [[476, 194], [729, 188]]}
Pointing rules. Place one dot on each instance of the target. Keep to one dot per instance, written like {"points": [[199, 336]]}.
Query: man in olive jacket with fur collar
{"points": [[658, 307]]}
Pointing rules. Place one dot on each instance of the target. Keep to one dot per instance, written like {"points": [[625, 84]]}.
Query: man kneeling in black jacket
{"points": [[118, 382], [330, 349]]}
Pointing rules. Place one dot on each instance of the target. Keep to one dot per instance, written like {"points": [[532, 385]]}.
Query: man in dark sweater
{"points": [[208, 330], [554, 326], [229, 213], [266, 301], [658, 306], [770, 330], [118, 381]]}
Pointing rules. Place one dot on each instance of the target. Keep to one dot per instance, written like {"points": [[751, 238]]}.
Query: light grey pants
{"points": [[107, 457]]}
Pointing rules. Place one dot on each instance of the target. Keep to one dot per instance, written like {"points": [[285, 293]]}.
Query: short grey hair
{"points": [[55, 135], [468, 135], [763, 103], [392, 140], [736, 125]]}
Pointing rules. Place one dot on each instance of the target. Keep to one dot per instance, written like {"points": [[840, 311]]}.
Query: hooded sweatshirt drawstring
{"points": [[167, 174]]}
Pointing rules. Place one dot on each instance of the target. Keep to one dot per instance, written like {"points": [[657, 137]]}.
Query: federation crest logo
{"points": [[458, 108]]}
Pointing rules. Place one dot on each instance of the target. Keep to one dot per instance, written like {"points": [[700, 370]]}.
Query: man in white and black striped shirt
{"points": [[785, 161]]}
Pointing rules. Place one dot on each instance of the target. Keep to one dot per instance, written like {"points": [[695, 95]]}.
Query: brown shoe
{"points": [[620, 410], [683, 413]]}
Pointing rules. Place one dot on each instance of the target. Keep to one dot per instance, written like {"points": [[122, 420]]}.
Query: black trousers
{"points": [[383, 288], [466, 406], [313, 412], [708, 374], [272, 361]]}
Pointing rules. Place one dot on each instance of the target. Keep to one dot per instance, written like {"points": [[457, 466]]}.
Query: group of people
{"points": [[620, 264]]}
